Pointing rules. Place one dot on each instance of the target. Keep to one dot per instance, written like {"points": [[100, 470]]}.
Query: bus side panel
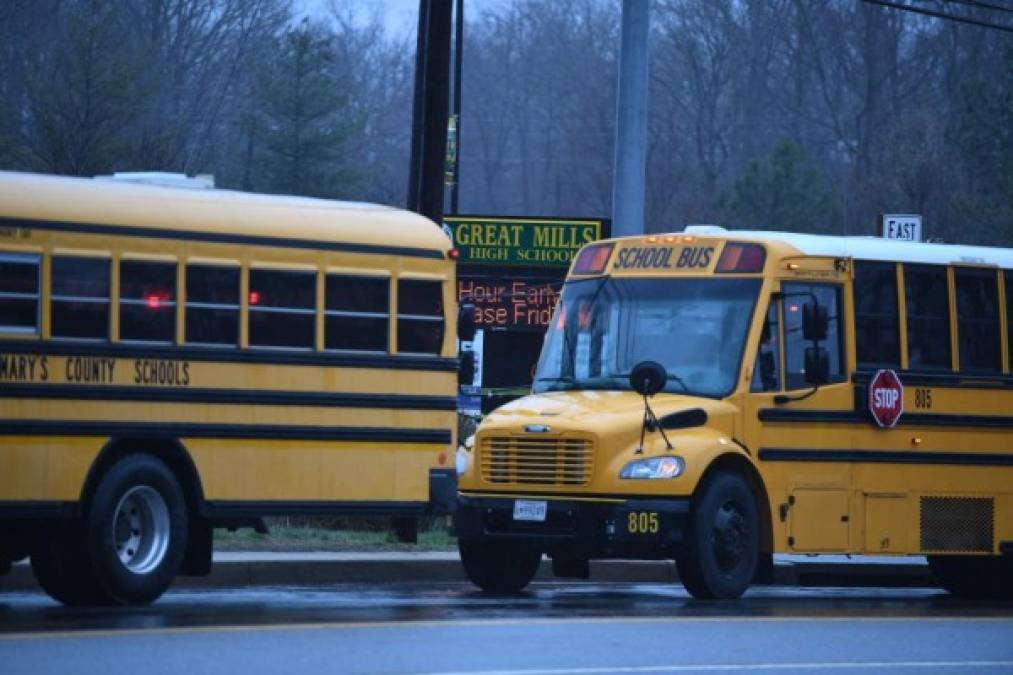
{"points": [[267, 470], [41, 468]]}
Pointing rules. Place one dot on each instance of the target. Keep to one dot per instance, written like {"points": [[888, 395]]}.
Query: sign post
{"points": [[886, 398]]}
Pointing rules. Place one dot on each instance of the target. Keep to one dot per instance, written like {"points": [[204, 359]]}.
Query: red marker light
{"points": [[453, 254], [154, 302], [741, 258], [254, 297], [592, 259]]}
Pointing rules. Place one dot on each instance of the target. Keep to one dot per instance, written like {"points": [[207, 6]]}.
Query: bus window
{"points": [[282, 308], [877, 327], [419, 316], [928, 316], [19, 293], [797, 295], [357, 313], [1008, 274], [212, 305], [979, 335], [767, 370], [79, 306], [147, 301]]}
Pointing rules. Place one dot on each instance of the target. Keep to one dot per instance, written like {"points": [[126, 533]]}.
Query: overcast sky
{"points": [[399, 16]]}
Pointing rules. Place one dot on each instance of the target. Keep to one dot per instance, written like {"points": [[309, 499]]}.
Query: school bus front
{"points": [[587, 467]]}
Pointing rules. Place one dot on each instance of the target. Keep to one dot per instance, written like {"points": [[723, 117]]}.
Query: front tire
{"points": [[136, 530], [501, 568], [982, 577], [723, 540]]}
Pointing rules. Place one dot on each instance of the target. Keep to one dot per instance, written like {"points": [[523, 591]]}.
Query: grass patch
{"points": [[299, 537]]}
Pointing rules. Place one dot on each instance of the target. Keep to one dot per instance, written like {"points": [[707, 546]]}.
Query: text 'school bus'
{"points": [[716, 397], [176, 360]]}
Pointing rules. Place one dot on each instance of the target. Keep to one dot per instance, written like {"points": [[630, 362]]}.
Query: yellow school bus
{"points": [[176, 360], [716, 397]]}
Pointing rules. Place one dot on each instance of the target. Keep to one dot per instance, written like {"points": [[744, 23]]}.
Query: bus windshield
{"points": [[696, 328]]}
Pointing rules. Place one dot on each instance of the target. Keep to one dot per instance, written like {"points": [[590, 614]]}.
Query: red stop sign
{"points": [[886, 398]]}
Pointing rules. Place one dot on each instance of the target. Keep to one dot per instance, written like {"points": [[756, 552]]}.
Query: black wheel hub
{"points": [[729, 536]]}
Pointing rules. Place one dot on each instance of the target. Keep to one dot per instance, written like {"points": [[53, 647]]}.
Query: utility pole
{"points": [[458, 52], [429, 110], [630, 171]]}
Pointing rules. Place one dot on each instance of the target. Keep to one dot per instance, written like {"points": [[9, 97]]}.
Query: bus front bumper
{"points": [[635, 528]]}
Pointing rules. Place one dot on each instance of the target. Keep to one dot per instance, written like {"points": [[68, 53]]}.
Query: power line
{"points": [[982, 5], [939, 15]]}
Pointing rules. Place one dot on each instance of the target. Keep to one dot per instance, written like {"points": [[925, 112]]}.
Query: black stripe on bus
{"points": [[227, 510], [223, 238], [886, 457], [941, 379], [912, 419], [226, 396], [233, 355], [32, 509], [114, 428]]}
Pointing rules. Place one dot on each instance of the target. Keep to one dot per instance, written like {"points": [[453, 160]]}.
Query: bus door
{"points": [[794, 423]]}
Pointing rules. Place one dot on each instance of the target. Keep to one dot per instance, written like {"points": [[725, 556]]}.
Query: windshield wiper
{"points": [[671, 376]]}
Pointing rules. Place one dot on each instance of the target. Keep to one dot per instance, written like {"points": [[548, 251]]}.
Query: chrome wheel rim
{"points": [[141, 529]]}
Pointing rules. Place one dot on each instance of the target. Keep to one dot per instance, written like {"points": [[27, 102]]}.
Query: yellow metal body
{"points": [[299, 393], [866, 489]]}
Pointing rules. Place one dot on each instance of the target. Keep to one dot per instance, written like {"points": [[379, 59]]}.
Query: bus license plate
{"points": [[526, 509]]}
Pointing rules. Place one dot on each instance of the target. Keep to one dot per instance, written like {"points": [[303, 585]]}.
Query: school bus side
{"points": [[249, 355], [938, 483]]}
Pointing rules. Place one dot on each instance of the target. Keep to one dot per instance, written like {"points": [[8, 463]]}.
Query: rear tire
{"points": [[723, 539], [983, 577], [499, 567], [62, 567], [136, 530]]}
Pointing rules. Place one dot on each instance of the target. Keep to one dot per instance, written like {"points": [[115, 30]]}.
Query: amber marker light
{"points": [[592, 259]]}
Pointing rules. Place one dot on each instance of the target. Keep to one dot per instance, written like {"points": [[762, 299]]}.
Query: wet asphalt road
{"points": [[555, 629]]}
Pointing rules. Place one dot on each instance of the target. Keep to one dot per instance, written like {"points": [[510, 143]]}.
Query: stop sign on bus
{"points": [[886, 398]]}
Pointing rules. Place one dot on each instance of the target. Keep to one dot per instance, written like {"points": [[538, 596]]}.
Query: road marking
{"points": [[477, 623], [733, 667]]}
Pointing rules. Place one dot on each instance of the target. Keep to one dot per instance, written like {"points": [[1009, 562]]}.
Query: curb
{"points": [[360, 568]]}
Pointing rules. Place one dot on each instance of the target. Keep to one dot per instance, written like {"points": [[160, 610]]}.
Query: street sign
{"points": [[900, 226], [886, 398]]}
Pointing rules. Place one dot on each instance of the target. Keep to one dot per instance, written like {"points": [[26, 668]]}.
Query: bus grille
{"points": [[537, 461], [957, 523]]}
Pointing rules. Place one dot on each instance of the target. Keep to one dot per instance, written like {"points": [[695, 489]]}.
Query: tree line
{"points": [[801, 115]]}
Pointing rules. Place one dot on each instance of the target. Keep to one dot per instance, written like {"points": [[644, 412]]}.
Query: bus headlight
{"points": [[669, 466]]}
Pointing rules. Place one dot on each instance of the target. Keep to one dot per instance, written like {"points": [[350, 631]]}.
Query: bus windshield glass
{"points": [[696, 328]]}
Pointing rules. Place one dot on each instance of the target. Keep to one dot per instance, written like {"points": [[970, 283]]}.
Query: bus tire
{"points": [[501, 568], [136, 530], [62, 567], [985, 577], [722, 543]]}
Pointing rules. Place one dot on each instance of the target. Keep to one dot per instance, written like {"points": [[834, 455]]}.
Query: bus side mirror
{"points": [[466, 322], [648, 378], [817, 366], [466, 368], [814, 322]]}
